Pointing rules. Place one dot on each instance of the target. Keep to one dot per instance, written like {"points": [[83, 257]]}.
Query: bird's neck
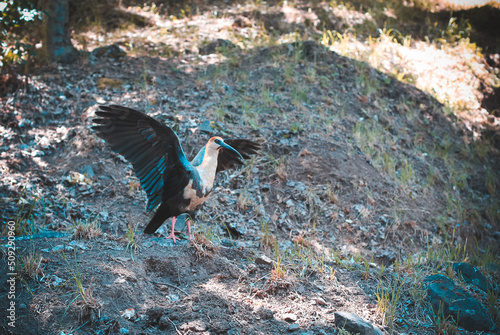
{"points": [[207, 169]]}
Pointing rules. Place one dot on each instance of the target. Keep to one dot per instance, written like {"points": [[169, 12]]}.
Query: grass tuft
{"points": [[203, 247], [86, 230], [30, 265]]}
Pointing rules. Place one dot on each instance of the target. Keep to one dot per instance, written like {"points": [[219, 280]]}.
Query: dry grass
{"points": [[86, 230], [203, 247], [88, 306], [30, 265]]}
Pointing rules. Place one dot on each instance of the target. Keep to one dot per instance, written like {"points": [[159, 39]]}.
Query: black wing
{"points": [[227, 159], [152, 148]]}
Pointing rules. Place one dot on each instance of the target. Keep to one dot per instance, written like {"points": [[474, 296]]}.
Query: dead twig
{"points": [[170, 285]]}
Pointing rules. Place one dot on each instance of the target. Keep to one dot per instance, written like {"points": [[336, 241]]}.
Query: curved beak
{"points": [[223, 144]]}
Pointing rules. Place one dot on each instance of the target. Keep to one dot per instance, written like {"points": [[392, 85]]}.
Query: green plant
{"points": [[388, 298], [31, 214], [88, 306], [365, 273], [279, 271], [243, 200], [445, 325], [268, 241], [493, 303], [132, 243], [15, 17], [405, 172]]}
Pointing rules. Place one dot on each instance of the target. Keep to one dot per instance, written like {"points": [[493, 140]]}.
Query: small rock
{"points": [[172, 297], [54, 280], [265, 187], [154, 314], [387, 257], [238, 227], [110, 51], [128, 314], [61, 247], [212, 47], [196, 325], [104, 215], [263, 259], [320, 301], [265, 313], [88, 171], [206, 127], [229, 243], [251, 268], [293, 327], [354, 324], [124, 330], [290, 317], [471, 275], [242, 22], [79, 244], [164, 323], [220, 327], [22, 306]]}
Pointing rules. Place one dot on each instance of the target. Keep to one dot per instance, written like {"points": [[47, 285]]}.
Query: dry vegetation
{"points": [[379, 167]]}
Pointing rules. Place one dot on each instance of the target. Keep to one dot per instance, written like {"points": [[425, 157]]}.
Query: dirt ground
{"points": [[310, 226]]}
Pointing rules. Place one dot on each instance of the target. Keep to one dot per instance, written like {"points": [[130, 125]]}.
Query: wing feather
{"points": [[153, 150], [227, 159]]}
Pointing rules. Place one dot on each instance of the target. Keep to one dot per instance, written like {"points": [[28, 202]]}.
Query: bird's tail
{"points": [[160, 216]]}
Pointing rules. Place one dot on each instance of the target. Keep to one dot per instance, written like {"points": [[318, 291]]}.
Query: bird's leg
{"points": [[172, 234], [189, 229]]}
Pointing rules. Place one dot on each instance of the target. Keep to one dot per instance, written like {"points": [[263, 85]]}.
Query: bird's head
{"points": [[217, 143]]}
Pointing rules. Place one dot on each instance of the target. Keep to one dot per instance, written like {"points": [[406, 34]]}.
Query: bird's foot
{"points": [[173, 237]]}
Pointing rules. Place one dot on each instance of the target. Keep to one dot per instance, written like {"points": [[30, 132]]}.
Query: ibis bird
{"points": [[168, 178]]}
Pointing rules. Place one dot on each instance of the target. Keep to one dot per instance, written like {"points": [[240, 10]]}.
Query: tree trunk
{"points": [[57, 42]]}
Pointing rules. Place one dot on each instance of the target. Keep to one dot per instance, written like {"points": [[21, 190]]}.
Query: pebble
{"points": [[320, 301], [354, 324], [290, 317], [263, 259], [79, 244], [60, 247], [129, 313]]}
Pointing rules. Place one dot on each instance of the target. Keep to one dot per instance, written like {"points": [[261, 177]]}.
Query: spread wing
{"points": [[152, 148]]}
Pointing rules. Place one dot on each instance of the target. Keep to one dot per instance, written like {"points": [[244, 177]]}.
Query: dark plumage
{"points": [[169, 179]]}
